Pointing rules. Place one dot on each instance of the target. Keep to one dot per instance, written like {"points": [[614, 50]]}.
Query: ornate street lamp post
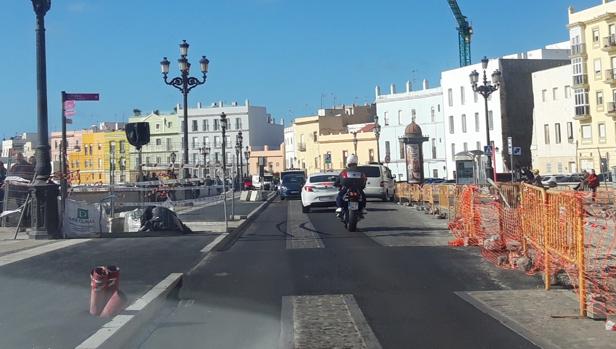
{"points": [[247, 157], [238, 152], [204, 151], [486, 89], [184, 83], [377, 134], [44, 194]]}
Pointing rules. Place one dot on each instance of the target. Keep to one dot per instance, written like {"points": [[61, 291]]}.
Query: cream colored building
{"points": [[330, 131], [593, 59], [553, 146], [274, 159]]}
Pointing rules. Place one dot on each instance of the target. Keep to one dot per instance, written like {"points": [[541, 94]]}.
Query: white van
{"points": [[267, 184], [380, 182]]}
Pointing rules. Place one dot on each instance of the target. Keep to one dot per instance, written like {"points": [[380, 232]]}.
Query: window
{"points": [[475, 97], [100, 163], [599, 100], [463, 123], [413, 114], [434, 148], [462, 100], [434, 173], [371, 155], [386, 118], [557, 133], [159, 141], [560, 167], [402, 155], [595, 36], [451, 126], [206, 125], [554, 93], [491, 120], [570, 132], [567, 92], [238, 123], [453, 150], [182, 125], [478, 146], [432, 115], [543, 92], [345, 154], [581, 102], [194, 142], [387, 148], [314, 136], [400, 117], [601, 132], [227, 141], [216, 124], [168, 144], [157, 126], [169, 124], [476, 122], [586, 132], [158, 159], [450, 97], [597, 66], [316, 162], [100, 146], [548, 167], [216, 141], [206, 141], [195, 125], [546, 133], [465, 146]]}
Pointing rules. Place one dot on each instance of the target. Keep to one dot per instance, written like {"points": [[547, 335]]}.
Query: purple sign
{"points": [[81, 96]]}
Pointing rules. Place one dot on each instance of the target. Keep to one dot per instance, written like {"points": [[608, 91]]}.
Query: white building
{"points": [[510, 108], [396, 111], [289, 146], [25, 143], [257, 126], [554, 139]]}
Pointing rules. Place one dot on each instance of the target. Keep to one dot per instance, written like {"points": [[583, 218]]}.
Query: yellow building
{"points": [[331, 132], [92, 161], [593, 59]]}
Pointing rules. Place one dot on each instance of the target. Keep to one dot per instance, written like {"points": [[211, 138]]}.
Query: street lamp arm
{"points": [[194, 82], [176, 82]]}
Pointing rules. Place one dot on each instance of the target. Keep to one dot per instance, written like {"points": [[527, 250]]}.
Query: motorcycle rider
{"points": [[351, 179]]}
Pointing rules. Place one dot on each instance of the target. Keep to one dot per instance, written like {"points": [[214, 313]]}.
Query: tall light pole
{"points": [[223, 127], [44, 194], [204, 151], [238, 152], [247, 157], [486, 89], [377, 134], [184, 83]]}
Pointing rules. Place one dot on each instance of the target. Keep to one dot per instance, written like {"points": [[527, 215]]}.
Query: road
{"points": [[301, 280]]}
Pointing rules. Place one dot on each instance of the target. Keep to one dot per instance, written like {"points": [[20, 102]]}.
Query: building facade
{"points": [[593, 59], [396, 111], [510, 108], [274, 160], [555, 133], [289, 146], [24, 143], [310, 151]]}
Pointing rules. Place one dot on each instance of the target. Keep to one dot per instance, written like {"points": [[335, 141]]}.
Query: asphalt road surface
{"points": [[301, 280]]}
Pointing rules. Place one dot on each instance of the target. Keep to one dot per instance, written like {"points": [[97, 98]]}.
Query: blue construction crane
{"points": [[465, 31]]}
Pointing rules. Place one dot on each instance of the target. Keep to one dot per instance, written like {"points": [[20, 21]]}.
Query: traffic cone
{"points": [[98, 283], [116, 303]]}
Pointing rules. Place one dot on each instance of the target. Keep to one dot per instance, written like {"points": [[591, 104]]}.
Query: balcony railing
{"points": [[610, 76], [582, 112], [609, 43], [611, 109], [578, 50], [301, 146], [580, 80]]}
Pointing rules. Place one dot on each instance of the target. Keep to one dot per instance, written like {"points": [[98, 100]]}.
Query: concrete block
{"points": [[245, 196]]}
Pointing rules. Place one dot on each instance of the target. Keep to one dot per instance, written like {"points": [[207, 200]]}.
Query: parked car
{"points": [[552, 181], [380, 182], [291, 186], [319, 191]]}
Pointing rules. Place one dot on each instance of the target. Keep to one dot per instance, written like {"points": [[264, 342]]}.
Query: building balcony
{"points": [[580, 81], [611, 109], [582, 112], [610, 76], [301, 147], [578, 50], [609, 43]]}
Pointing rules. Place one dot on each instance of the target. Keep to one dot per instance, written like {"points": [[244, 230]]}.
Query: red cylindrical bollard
{"points": [[98, 284], [113, 281], [114, 298]]}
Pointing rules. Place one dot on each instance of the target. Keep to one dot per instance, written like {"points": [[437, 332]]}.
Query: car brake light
{"points": [[308, 189]]}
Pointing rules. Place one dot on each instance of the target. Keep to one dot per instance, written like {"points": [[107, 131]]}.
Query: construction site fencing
{"points": [[567, 235]]}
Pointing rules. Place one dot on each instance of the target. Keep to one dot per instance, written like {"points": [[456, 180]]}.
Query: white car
{"points": [[319, 191], [380, 182]]}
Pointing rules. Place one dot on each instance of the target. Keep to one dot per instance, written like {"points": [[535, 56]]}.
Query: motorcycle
{"points": [[350, 210]]}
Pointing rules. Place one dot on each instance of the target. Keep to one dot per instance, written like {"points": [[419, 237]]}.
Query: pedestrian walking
{"points": [[593, 183], [537, 179], [582, 184]]}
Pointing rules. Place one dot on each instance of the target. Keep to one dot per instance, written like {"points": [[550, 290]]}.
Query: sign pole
{"points": [[63, 157], [510, 148]]}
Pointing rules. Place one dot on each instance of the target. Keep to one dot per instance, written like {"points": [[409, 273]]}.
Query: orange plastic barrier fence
{"points": [[415, 193]]}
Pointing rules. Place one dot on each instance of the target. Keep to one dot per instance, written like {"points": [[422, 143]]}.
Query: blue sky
{"points": [[283, 54]]}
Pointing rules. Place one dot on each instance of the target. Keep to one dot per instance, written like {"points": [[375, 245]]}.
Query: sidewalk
{"points": [[9, 245]]}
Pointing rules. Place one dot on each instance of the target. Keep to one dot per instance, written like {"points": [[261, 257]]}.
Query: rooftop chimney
{"points": [[409, 87], [377, 91], [425, 84], [392, 89], [220, 103], [199, 106], [247, 102]]}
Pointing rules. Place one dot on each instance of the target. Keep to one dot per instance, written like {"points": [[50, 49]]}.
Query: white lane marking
{"points": [[211, 245], [36, 251], [300, 231], [98, 339], [325, 321]]}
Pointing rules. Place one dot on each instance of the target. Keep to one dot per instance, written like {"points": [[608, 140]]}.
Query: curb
{"points": [[234, 235], [118, 332]]}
